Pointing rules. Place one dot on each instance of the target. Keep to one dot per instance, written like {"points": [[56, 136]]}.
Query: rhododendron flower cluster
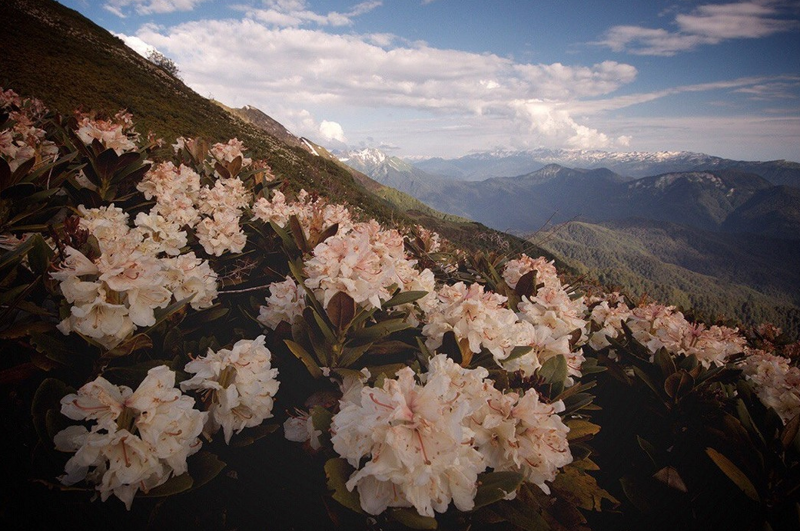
{"points": [[24, 140], [213, 212], [555, 315], [776, 383], [427, 442], [230, 151], [315, 216], [522, 434], [117, 133], [122, 288], [364, 263], [478, 316], [286, 302], [657, 326], [239, 385], [137, 439], [417, 449], [607, 317]]}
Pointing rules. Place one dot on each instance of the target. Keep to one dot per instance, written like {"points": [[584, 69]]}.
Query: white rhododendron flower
{"points": [[23, 141], [545, 271], [190, 276], [314, 216], [228, 151], [117, 134], [607, 320], [176, 191], [286, 302], [522, 434], [300, 428], [221, 233], [657, 326], [479, 317], [776, 383], [137, 439], [139, 271], [241, 385], [362, 263], [417, 451]]}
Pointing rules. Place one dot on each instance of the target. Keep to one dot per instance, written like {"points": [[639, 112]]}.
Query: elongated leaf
{"points": [[338, 471], [249, 436], [734, 473], [305, 357], [665, 362], [577, 401], [378, 331], [496, 486], [298, 234], [579, 428], [526, 286], [341, 310], [678, 385], [404, 297], [350, 355], [554, 370], [518, 352], [648, 448], [174, 485]]}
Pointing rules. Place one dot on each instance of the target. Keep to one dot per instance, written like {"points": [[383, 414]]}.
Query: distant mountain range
{"points": [[717, 199], [504, 163]]}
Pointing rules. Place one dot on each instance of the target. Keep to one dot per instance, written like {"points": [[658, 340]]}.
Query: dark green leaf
{"points": [[305, 357], [378, 331], [174, 485], [204, 466], [670, 477], [338, 471], [496, 486], [518, 352], [554, 370], [404, 297], [577, 402], [734, 473], [526, 286]]}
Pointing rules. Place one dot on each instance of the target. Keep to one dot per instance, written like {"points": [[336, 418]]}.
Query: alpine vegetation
{"points": [[179, 321]]}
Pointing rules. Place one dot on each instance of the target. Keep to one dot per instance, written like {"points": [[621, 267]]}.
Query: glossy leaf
{"points": [[337, 472], [734, 473], [496, 486], [412, 519], [305, 357]]}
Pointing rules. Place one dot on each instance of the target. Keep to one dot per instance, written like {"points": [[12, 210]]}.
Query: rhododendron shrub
{"points": [[168, 316]]}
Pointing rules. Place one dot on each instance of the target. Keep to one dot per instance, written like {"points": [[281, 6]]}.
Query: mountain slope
{"points": [[773, 212], [712, 273]]}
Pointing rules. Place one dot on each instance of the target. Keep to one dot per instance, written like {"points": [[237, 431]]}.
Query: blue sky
{"points": [[450, 77]]}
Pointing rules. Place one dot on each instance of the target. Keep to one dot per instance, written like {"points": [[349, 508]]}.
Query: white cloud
{"points": [[295, 13], [707, 24], [136, 44], [251, 61], [332, 131], [149, 7]]}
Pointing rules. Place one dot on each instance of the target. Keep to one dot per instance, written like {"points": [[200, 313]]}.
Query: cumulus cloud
{"points": [[706, 24], [261, 60], [332, 131]]}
